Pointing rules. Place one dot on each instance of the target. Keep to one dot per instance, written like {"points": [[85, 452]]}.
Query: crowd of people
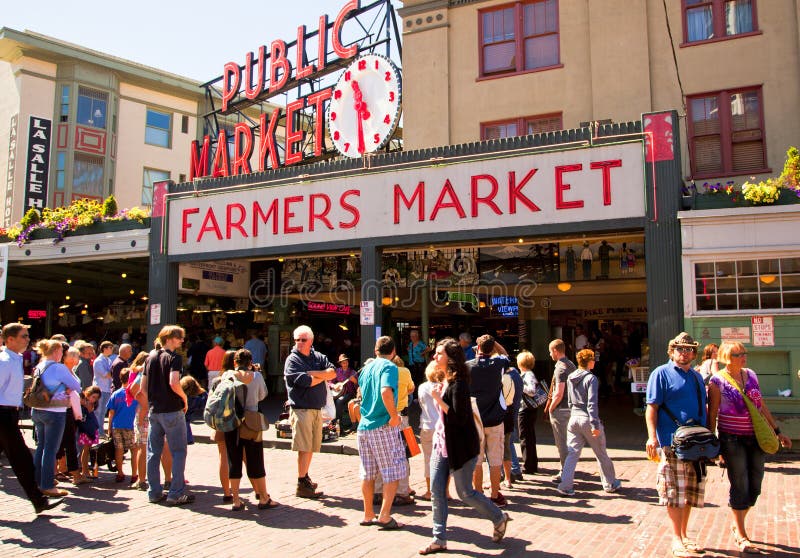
{"points": [[475, 401]]}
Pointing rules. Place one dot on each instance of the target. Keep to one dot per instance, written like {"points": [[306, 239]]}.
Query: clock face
{"points": [[365, 106]]}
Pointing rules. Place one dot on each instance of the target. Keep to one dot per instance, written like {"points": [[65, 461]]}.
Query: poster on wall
{"points": [[38, 163], [225, 277]]}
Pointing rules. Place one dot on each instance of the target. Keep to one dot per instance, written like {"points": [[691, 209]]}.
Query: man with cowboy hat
{"points": [[677, 386], [344, 388]]}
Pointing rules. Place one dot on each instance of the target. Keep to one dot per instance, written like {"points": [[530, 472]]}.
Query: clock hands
{"points": [[361, 114]]}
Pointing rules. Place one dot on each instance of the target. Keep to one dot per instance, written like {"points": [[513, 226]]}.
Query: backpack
{"points": [[224, 409]]}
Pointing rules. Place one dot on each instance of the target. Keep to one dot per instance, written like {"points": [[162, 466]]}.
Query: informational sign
{"points": [[3, 270], [155, 314], [225, 277], [367, 315], [38, 164], [763, 331], [736, 334], [10, 170], [574, 186]]}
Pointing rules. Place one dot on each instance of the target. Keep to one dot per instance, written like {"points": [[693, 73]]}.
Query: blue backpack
{"points": [[224, 410]]}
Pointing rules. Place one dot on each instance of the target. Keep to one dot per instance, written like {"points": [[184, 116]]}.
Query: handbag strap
{"points": [[699, 401], [751, 407]]}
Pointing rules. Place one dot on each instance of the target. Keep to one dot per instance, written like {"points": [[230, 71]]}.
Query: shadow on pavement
{"points": [[46, 534]]}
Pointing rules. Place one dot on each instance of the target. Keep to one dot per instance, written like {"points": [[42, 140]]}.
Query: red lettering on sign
{"points": [[351, 209], [251, 91], [336, 32], [199, 164], [260, 216], [606, 167], [268, 141], [562, 186], [288, 214], [322, 47], [209, 225], [230, 83], [486, 200], [231, 223], [278, 61], [294, 132], [313, 215], [515, 192], [303, 69], [449, 192], [317, 100], [242, 148], [418, 197], [220, 166], [185, 225]]}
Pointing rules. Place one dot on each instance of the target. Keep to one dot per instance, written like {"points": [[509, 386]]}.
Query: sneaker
{"points": [[158, 499], [614, 486], [569, 492], [181, 500], [305, 489], [500, 501], [141, 485], [556, 479], [517, 477], [47, 504]]}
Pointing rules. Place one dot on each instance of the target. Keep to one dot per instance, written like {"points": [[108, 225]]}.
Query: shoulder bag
{"points": [[692, 441], [37, 394], [765, 435], [539, 396]]}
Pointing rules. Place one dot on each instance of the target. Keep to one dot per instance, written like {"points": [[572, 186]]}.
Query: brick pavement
{"points": [[103, 519]]}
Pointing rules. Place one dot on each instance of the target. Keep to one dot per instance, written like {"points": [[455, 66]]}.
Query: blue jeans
{"points": [[49, 429], [100, 411], [440, 470], [173, 426], [515, 468], [745, 461]]}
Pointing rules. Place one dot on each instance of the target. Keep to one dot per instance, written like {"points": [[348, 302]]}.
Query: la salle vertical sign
{"points": [[38, 164]]}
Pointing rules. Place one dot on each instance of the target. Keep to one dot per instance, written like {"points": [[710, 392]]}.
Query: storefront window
{"points": [[768, 284]]}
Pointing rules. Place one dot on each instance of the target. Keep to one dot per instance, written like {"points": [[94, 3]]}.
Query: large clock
{"points": [[365, 106]]}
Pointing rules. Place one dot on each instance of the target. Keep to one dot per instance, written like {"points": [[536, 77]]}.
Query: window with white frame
{"points": [[158, 126], [752, 284], [151, 176]]}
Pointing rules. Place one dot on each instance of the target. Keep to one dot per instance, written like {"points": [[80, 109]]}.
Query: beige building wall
{"points": [[134, 155], [616, 63]]}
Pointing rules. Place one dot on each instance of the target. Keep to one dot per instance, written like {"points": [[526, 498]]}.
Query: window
{"points": [[61, 165], [767, 284], [64, 112], [712, 19], [184, 124], [151, 176], [726, 132], [157, 128], [519, 37], [521, 126], [92, 107], [87, 177]]}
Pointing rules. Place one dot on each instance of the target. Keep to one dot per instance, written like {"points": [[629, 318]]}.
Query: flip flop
{"points": [[391, 525], [369, 522]]}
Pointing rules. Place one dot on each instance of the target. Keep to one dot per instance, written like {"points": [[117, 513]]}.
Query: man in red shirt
{"points": [[213, 361]]}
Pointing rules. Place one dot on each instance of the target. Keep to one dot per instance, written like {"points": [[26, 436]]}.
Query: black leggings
{"points": [[236, 447], [527, 438], [69, 446]]}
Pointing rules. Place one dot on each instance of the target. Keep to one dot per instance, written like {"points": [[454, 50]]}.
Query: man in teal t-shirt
{"points": [[379, 445]]}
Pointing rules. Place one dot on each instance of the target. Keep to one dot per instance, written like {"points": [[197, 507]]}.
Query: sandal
{"points": [[268, 505], [426, 497], [743, 543], [679, 550], [369, 522], [432, 548], [500, 529], [391, 525], [692, 546], [403, 501]]}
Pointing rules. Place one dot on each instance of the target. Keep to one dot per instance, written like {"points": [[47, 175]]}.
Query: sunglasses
{"points": [[737, 355], [301, 340], [685, 349]]}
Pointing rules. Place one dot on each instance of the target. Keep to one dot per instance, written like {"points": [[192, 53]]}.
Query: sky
{"points": [[192, 39]]}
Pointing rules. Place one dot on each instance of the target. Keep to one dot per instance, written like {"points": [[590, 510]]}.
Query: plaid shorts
{"points": [[677, 482], [381, 450], [123, 438], [141, 433]]}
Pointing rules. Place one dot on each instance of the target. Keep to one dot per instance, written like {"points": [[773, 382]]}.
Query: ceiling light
{"points": [[387, 300], [768, 279], [564, 287], [520, 241], [63, 306], [124, 275], [12, 301], [144, 298], [66, 297], [132, 291], [343, 326], [280, 260], [69, 281]]}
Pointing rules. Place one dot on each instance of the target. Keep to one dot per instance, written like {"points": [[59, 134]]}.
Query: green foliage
{"points": [[110, 206], [32, 217]]}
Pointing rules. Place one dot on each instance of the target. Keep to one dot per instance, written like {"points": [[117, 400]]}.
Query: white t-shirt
{"points": [[429, 412]]}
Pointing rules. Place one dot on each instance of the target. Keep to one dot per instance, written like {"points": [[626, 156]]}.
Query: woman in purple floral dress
{"points": [[739, 450]]}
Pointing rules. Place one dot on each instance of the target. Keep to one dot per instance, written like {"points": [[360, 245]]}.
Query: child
{"points": [[429, 415], [121, 416], [196, 401], [88, 429]]}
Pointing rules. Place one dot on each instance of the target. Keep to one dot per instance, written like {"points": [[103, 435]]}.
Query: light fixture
{"points": [[12, 301], [132, 291], [481, 304], [564, 287], [352, 255], [768, 279], [387, 300], [343, 326], [520, 241], [144, 298], [66, 297], [124, 275], [84, 312], [63, 307], [86, 306], [280, 260], [69, 281], [397, 299]]}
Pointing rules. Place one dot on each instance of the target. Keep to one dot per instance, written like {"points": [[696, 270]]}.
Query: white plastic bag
{"points": [[329, 410]]}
